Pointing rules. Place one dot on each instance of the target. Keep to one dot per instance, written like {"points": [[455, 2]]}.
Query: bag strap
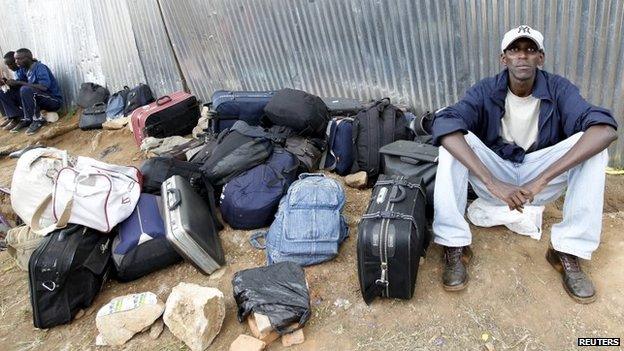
{"points": [[63, 220], [307, 175], [253, 240]]}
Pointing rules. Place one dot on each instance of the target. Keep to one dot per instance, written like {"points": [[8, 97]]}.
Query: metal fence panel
{"points": [[422, 53]]}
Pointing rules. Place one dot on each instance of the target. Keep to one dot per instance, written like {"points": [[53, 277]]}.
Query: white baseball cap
{"points": [[523, 31]]}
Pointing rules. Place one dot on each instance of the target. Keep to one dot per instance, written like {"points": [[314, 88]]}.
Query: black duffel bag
{"points": [[66, 272], [240, 148], [413, 159], [305, 113], [90, 94]]}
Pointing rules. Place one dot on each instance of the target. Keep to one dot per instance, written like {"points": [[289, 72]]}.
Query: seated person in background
{"points": [[523, 137], [12, 116], [38, 90]]}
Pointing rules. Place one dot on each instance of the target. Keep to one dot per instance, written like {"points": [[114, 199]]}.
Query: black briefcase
{"points": [[93, 117], [392, 236]]}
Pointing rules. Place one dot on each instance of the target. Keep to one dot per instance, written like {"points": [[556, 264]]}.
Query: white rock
{"points": [[124, 316], [195, 314]]}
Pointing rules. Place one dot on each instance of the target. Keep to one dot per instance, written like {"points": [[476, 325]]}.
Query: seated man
{"points": [[12, 114], [38, 90], [521, 137]]}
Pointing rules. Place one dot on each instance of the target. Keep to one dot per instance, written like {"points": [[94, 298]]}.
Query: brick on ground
{"points": [[247, 343]]}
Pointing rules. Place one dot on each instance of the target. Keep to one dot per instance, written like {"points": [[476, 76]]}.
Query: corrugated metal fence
{"points": [[422, 53]]}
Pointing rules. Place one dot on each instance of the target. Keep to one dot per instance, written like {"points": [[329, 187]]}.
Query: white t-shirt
{"points": [[519, 125]]}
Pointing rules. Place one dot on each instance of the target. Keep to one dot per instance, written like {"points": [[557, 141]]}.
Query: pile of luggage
{"points": [[257, 165]]}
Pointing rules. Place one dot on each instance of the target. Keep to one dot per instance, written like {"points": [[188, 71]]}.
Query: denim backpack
{"points": [[249, 200], [309, 225], [117, 103]]}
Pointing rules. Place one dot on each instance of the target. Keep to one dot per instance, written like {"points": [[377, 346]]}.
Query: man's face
{"points": [[23, 60], [10, 62], [522, 57]]}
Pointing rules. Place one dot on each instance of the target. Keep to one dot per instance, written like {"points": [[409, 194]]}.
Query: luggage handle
{"points": [[165, 98], [409, 160], [175, 194], [401, 194]]}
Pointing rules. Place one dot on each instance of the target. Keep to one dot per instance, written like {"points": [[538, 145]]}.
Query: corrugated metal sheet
{"points": [[154, 47], [120, 57], [68, 47], [423, 53]]}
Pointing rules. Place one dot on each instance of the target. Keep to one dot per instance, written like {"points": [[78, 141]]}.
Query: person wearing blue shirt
{"points": [[523, 137], [38, 90], [12, 111]]}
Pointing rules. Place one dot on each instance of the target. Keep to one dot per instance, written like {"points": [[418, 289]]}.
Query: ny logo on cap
{"points": [[524, 29]]}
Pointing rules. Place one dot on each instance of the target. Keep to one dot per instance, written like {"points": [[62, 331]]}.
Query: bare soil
{"points": [[514, 301]]}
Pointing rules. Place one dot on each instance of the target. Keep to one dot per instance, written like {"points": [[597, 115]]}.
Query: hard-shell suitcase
{"points": [[173, 114], [413, 159], [227, 107], [190, 225], [392, 237]]}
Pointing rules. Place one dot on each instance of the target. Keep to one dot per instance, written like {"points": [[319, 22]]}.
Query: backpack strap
{"points": [[253, 240], [307, 175]]}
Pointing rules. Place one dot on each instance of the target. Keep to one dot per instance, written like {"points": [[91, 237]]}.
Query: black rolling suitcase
{"points": [[66, 272], [392, 236]]}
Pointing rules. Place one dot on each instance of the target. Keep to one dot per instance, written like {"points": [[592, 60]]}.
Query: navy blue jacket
{"points": [[41, 74], [563, 112]]}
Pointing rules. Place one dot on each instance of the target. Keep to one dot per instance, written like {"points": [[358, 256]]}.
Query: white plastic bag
{"points": [[529, 222]]}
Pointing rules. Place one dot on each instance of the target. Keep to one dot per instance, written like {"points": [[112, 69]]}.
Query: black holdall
{"points": [[66, 272], [138, 96], [392, 236], [379, 125], [90, 94], [305, 113], [413, 159], [93, 117], [156, 170]]}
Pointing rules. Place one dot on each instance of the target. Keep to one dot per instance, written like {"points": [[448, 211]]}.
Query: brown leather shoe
{"points": [[575, 282], [455, 276]]}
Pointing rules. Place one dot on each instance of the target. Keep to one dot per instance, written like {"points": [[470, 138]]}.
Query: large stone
{"points": [[293, 338], [357, 180], [268, 335], [247, 343], [124, 316], [195, 314]]}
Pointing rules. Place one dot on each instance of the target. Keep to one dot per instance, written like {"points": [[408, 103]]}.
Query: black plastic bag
{"points": [[278, 291]]}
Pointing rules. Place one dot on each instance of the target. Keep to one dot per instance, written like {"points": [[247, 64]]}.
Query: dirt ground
{"points": [[514, 300]]}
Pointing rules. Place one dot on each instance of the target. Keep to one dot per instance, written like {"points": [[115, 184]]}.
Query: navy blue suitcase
{"points": [[142, 246], [228, 107], [339, 154]]}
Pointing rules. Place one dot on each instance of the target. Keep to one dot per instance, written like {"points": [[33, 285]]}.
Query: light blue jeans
{"points": [[579, 232]]}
